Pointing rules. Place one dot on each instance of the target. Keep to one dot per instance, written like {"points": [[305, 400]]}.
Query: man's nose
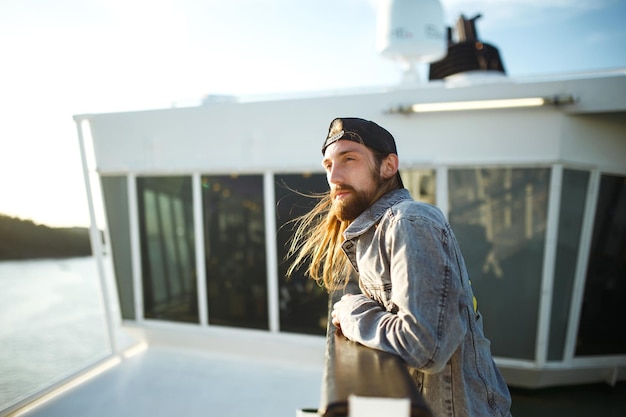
{"points": [[334, 175]]}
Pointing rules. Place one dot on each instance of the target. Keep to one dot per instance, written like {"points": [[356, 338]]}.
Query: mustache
{"points": [[340, 188]]}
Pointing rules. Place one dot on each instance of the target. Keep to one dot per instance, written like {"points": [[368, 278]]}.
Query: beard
{"points": [[352, 205]]}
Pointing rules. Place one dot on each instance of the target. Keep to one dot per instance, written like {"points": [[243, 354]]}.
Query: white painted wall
{"points": [[286, 135]]}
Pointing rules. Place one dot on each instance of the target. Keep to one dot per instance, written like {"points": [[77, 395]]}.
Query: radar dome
{"points": [[411, 30]]}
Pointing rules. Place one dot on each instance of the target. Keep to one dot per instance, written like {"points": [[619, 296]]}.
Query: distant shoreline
{"points": [[23, 239]]}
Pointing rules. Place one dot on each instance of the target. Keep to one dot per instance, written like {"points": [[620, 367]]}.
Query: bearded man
{"points": [[416, 299]]}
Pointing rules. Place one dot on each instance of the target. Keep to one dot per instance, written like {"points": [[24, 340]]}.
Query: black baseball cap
{"points": [[364, 132]]}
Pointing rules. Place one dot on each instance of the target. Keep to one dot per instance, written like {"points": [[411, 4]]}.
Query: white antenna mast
{"points": [[411, 32]]}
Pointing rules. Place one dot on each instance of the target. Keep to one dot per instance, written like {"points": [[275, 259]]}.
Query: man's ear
{"points": [[389, 167]]}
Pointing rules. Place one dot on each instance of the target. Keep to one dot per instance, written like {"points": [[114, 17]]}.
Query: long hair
{"points": [[317, 238], [319, 234]]}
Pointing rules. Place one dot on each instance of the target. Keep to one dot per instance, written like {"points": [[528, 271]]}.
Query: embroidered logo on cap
{"points": [[335, 133], [335, 137]]}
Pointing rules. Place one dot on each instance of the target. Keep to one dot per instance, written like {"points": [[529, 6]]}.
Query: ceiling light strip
{"points": [[484, 104], [478, 105]]}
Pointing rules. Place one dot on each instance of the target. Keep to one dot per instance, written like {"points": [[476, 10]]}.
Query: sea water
{"points": [[52, 323]]}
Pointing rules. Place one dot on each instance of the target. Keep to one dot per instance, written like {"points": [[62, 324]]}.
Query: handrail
{"points": [[353, 369]]}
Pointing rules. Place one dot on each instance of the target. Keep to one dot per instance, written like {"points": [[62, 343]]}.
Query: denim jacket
{"points": [[417, 303]]}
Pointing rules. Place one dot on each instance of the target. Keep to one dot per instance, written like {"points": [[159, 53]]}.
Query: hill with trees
{"points": [[24, 239]]}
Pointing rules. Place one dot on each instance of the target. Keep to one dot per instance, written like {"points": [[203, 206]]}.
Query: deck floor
{"points": [[601, 400], [166, 381]]}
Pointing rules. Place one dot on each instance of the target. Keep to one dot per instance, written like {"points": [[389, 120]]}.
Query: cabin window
{"points": [[115, 191], [601, 326], [499, 217], [167, 248], [571, 213], [303, 303], [235, 252], [420, 183]]}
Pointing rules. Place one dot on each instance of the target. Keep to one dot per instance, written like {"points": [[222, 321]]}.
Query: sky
{"points": [[65, 57]]}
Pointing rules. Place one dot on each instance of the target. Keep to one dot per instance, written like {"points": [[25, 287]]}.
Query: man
{"points": [[416, 299]]}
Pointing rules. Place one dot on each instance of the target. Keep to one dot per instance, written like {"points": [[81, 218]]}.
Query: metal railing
{"points": [[353, 369]]}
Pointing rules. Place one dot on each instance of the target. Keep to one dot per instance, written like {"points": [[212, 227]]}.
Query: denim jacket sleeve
{"points": [[422, 320]]}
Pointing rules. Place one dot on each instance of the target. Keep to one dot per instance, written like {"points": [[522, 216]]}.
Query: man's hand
{"points": [[335, 316]]}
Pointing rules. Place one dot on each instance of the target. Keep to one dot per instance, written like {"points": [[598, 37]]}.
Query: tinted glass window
{"points": [[499, 217], [420, 183], [303, 303], [601, 327], [234, 236], [571, 212], [167, 248], [115, 191]]}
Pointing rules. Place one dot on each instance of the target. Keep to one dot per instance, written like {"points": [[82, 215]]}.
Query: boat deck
{"points": [[170, 374], [173, 371], [168, 381], [600, 400]]}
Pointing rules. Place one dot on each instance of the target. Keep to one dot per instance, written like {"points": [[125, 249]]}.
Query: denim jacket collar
{"points": [[373, 213]]}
